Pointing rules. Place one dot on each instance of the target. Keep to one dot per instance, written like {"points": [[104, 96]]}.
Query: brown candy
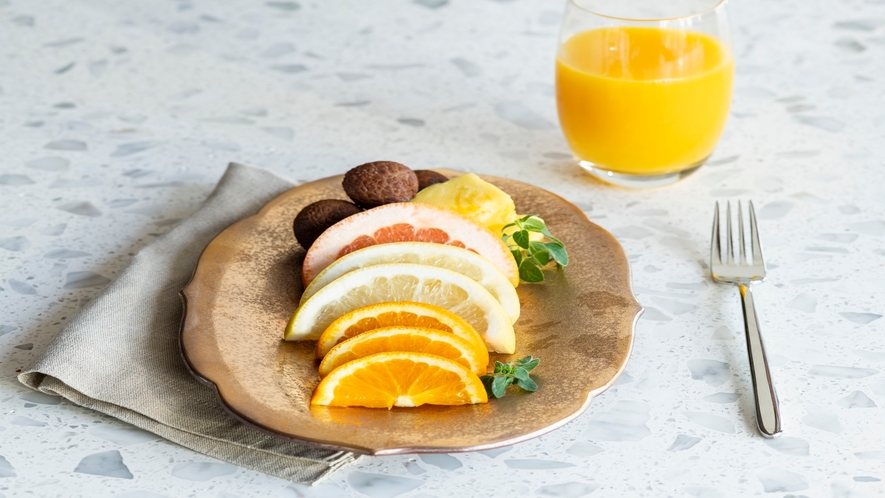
{"points": [[427, 177], [381, 182], [315, 218]]}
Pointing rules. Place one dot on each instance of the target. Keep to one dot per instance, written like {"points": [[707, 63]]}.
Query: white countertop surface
{"points": [[116, 118]]}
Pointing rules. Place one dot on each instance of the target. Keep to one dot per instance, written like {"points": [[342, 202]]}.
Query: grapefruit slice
{"points": [[406, 222]]}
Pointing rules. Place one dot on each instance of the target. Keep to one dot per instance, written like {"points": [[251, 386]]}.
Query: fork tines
{"points": [[755, 255]]}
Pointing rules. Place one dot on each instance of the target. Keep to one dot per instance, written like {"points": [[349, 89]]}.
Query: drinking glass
{"points": [[643, 87]]}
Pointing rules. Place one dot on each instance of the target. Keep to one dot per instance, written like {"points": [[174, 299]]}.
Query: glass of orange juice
{"points": [[643, 87]]}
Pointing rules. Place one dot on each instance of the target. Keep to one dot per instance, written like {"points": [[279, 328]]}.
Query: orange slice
{"points": [[402, 314], [406, 222], [385, 380], [408, 339]]}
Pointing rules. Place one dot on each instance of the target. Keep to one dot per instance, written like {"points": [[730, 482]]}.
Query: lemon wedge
{"points": [[405, 282], [452, 258]]}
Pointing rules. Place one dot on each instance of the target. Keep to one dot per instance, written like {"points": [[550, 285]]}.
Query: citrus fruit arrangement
{"points": [[410, 286]]}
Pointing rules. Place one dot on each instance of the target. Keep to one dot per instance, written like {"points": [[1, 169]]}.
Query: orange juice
{"points": [[645, 101]]}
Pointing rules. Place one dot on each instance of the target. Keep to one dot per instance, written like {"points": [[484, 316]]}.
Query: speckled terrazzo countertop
{"points": [[116, 118]]}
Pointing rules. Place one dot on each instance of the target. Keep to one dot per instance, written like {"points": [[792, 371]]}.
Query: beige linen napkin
{"points": [[120, 354]]}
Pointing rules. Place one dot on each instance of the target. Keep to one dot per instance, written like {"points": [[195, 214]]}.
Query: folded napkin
{"points": [[120, 354]]}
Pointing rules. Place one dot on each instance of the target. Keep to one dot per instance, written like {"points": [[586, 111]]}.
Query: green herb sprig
{"points": [[532, 255], [508, 373]]}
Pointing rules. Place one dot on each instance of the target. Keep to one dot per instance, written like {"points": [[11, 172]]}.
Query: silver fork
{"points": [[742, 273]]}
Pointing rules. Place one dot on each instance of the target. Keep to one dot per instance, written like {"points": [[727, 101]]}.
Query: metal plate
{"points": [[580, 322]]}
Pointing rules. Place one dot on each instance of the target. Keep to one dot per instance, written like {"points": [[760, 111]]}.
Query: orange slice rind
{"points": [[400, 314], [385, 380], [407, 339]]}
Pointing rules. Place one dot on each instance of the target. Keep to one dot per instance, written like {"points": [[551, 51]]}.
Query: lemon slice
{"points": [[424, 253], [405, 282]]}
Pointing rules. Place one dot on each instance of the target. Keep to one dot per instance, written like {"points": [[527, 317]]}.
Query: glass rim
{"points": [[719, 4]]}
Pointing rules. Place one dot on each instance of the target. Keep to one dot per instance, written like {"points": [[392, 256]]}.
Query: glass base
{"points": [[638, 181]]}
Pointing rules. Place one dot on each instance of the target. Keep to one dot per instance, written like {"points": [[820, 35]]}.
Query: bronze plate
{"points": [[248, 282]]}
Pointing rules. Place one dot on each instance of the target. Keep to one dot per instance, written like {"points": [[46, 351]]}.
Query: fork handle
{"points": [[768, 415]]}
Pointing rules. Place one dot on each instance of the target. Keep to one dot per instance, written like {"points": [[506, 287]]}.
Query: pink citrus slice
{"points": [[406, 222]]}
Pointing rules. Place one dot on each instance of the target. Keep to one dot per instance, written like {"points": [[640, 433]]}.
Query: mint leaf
{"points": [[551, 237], [530, 272], [558, 252], [520, 373], [528, 384], [487, 383], [536, 246], [529, 363], [532, 255], [509, 373], [540, 253], [521, 238], [499, 386], [534, 224]]}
